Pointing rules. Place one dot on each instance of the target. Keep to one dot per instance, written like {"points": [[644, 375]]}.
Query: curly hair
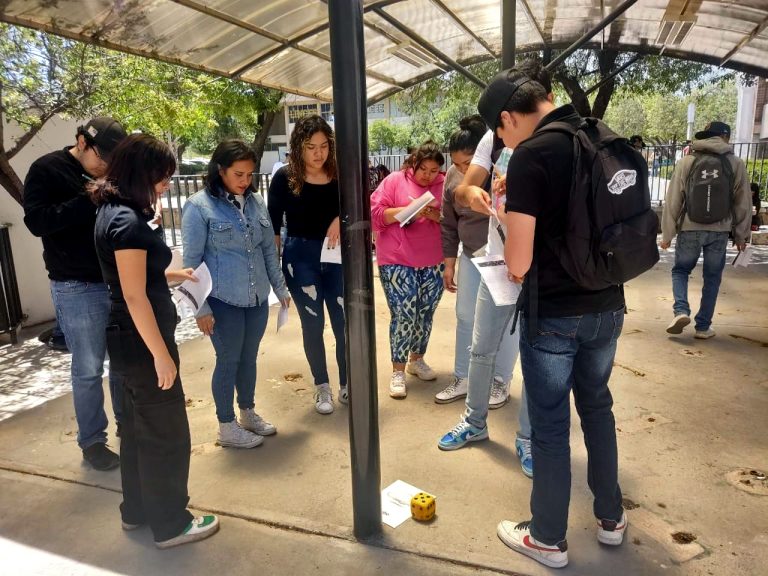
{"points": [[302, 132], [138, 163], [429, 150]]}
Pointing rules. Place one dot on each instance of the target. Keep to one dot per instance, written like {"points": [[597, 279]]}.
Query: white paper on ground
{"points": [[282, 317], [493, 271], [417, 204], [396, 503], [743, 258], [189, 296], [330, 255]]}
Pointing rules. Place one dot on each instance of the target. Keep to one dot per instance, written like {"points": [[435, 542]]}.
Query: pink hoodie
{"points": [[417, 245]]}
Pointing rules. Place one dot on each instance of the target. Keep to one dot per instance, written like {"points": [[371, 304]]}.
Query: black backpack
{"points": [[610, 234], [709, 189]]}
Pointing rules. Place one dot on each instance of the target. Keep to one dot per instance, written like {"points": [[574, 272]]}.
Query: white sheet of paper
{"points": [[416, 205], [176, 260], [152, 225], [396, 503], [743, 258], [282, 317], [191, 295], [330, 255], [493, 271]]}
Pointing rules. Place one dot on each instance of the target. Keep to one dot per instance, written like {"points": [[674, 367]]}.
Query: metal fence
{"points": [[11, 313], [661, 160]]}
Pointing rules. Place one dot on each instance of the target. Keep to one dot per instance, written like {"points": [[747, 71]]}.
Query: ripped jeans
{"points": [[311, 283]]}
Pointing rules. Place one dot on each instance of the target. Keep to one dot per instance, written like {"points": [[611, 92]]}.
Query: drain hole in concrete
{"points": [[683, 537]]}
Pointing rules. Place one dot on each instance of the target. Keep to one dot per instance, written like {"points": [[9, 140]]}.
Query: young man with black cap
{"points": [[575, 329], [721, 188], [58, 209]]}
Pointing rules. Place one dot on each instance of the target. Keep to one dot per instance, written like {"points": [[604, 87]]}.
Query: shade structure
{"points": [[285, 44]]}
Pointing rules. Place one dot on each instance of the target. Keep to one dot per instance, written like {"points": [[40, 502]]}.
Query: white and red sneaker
{"points": [[611, 532], [518, 537]]}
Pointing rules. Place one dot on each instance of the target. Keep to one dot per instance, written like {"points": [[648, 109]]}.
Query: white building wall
{"points": [[27, 249]]}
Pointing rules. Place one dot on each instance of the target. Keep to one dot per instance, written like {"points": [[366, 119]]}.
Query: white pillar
{"points": [[745, 114]]}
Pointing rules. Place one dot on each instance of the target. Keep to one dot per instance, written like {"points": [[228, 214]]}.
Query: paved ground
{"points": [[688, 413]]}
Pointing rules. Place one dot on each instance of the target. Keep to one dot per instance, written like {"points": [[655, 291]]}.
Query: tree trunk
{"points": [[9, 179], [579, 97], [266, 119], [608, 63]]}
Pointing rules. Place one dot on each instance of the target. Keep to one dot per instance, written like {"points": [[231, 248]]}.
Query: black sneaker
{"points": [[101, 457]]}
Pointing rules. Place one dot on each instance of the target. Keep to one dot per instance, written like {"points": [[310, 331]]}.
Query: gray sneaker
{"points": [[456, 390], [343, 395], [323, 399], [249, 420], [499, 394], [232, 435]]}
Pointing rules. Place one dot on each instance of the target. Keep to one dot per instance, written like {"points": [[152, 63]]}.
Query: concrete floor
{"points": [[688, 413]]}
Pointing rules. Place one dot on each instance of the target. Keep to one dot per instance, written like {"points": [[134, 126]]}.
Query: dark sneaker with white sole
{"points": [[200, 528], [100, 457]]}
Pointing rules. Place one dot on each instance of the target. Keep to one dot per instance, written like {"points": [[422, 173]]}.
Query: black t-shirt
{"points": [[308, 214], [57, 209], [123, 227], [539, 184]]}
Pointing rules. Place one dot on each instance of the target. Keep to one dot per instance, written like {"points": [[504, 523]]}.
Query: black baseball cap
{"points": [[714, 129], [498, 92], [637, 138], [105, 133]]}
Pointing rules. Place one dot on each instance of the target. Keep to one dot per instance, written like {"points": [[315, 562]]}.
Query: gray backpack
{"points": [[709, 190]]}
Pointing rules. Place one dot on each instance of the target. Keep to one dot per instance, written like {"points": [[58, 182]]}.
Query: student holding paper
{"points": [[307, 193], [226, 225], [155, 443], [410, 260]]}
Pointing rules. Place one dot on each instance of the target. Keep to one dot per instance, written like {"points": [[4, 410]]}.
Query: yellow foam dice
{"points": [[423, 506]]}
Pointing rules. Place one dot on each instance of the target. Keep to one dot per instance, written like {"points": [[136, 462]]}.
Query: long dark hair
{"points": [[467, 137], [227, 153], [302, 132], [138, 163], [429, 150]]}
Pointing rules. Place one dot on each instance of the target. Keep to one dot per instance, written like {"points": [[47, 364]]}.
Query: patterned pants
{"points": [[412, 295]]}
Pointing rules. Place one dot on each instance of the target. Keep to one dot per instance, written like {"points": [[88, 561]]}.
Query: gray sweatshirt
{"points": [[460, 223], [675, 200]]}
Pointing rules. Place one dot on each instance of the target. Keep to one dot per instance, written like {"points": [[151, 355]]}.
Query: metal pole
{"points": [[349, 98], [508, 23], [623, 7]]}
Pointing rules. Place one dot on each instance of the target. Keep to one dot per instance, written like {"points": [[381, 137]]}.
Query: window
{"points": [[298, 111], [326, 111]]}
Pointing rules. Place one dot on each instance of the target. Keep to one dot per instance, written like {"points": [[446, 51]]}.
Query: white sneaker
{"points": [[518, 537], [200, 528], [455, 390], [705, 334], [499, 394], [249, 420], [677, 325], [343, 395], [397, 387], [232, 435], [323, 399], [421, 370], [611, 532]]}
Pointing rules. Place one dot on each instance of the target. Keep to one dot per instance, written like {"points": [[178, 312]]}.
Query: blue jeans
{"points": [[494, 353], [687, 251], [82, 311], [312, 283], [574, 353], [237, 333]]}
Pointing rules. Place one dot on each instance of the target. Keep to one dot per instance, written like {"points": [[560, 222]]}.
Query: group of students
{"points": [[510, 203]]}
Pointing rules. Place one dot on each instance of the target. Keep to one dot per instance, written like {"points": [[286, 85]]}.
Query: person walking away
{"points": [[708, 197]]}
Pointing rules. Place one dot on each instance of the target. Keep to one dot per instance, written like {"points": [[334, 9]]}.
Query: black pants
{"points": [[154, 444]]}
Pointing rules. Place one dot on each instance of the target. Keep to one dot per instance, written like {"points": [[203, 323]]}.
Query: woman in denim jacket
{"points": [[307, 193], [226, 225]]}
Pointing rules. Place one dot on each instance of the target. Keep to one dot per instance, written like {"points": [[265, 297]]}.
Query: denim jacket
{"points": [[239, 252]]}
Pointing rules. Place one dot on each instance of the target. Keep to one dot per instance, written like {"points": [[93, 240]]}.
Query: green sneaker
{"points": [[200, 528]]}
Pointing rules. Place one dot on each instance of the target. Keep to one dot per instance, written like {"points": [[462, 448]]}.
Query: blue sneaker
{"points": [[462, 433], [523, 447]]}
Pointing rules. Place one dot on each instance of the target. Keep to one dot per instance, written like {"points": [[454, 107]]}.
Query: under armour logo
{"points": [[705, 174]]}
